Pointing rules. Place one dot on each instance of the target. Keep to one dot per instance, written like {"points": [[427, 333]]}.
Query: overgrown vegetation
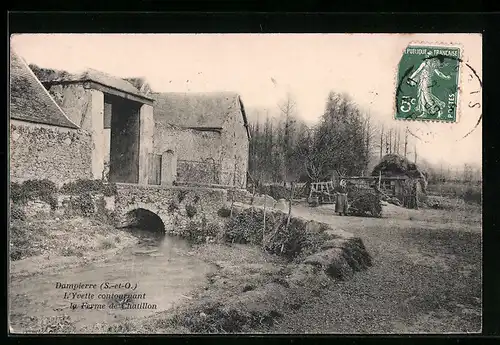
{"points": [[76, 236], [224, 212], [181, 195], [197, 232], [81, 192], [292, 241], [16, 212], [31, 190], [80, 186], [173, 206], [82, 205], [363, 202], [191, 210], [471, 193]]}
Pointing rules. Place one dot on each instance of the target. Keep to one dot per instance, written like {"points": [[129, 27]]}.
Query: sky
{"points": [[263, 68]]}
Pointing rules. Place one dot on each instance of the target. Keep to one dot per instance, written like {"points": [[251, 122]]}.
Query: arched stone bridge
{"points": [[174, 205]]}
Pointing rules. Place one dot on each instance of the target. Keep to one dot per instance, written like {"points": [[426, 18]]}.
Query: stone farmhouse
{"points": [[97, 126], [44, 142]]}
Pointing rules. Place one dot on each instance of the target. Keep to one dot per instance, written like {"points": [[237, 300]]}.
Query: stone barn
{"points": [[199, 138], [117, 114], [44, 142], [142, 137]]}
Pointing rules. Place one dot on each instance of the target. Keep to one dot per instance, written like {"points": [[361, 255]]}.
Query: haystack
{"points": [[392, 165]]}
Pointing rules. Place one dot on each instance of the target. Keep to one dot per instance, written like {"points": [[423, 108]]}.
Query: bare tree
{"points": [[287, 108], [381, 141], [390, 140], [406, 141]]}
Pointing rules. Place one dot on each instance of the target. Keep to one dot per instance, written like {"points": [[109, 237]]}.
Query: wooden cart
{"points": [[321, 193]]}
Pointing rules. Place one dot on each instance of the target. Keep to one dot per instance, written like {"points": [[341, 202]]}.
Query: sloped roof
{"points": [[29, 100], [140, 84], [55, 77], [196, 110]]}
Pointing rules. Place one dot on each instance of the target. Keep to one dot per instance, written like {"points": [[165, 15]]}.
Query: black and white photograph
{"points": [[245, 183]]}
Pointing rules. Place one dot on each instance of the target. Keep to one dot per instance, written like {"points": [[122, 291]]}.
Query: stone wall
{"points": [[85, 107], [174, 205], [76, 101], [146, 141], [235, 145], [205, 172], [47, 152], [196, 152]]}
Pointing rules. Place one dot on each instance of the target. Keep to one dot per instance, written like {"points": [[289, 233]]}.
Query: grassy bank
{"points": [[249, 289], [36, 244], [426, 276], [468, 192]]}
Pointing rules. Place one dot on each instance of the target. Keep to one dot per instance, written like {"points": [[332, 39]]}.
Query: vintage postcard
{"points": [[245, 183]]}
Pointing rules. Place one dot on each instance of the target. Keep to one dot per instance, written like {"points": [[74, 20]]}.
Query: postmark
{"points": [[428, 83]]}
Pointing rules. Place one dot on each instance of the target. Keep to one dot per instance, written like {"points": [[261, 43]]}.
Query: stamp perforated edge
{"points": [[458, 113]]}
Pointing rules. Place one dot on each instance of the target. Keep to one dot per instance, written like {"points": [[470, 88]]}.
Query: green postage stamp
{"points": [[427, 84]]}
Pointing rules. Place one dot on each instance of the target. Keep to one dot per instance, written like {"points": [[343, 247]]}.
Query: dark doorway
{"points": [[124, 147]]}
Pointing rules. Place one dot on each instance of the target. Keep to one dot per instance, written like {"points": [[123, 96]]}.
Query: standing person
{"points": [[415, 193], [341, 200]]}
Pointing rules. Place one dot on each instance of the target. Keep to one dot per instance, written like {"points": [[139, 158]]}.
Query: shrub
{"points": [[82, 204], [472, 195], [181, 195], [224, 212], [81, 186], [198, 232], [110, 189], [294, 241], [102, 213], [365, 202], [191, 210], [173, 206], [21, 242], [17, 212], [247, 228], [44, 190]]}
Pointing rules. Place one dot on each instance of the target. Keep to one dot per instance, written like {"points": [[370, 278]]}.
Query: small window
{"points": [[107, 115]]}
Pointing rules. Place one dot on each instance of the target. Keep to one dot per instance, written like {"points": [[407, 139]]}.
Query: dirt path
{"points": [[426, 276]]}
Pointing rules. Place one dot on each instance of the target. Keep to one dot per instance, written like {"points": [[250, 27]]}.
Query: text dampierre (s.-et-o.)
{"points": [[92, 286]]}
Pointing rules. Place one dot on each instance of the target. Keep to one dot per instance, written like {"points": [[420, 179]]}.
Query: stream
{"points": [[155, 275]]}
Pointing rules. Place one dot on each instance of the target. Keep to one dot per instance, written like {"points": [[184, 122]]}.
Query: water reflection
{"points": [[157, 244]]}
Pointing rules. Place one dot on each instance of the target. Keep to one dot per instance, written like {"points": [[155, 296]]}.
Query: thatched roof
{"points": [[29, 100], [50, 76], [395, 165], [196, 110]]}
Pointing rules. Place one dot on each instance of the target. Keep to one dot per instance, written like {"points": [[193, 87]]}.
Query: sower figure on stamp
{"points": [[341, 199], [422, 78]]}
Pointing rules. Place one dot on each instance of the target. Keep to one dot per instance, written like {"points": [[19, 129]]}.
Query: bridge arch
{"points": [[144, 217]]}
